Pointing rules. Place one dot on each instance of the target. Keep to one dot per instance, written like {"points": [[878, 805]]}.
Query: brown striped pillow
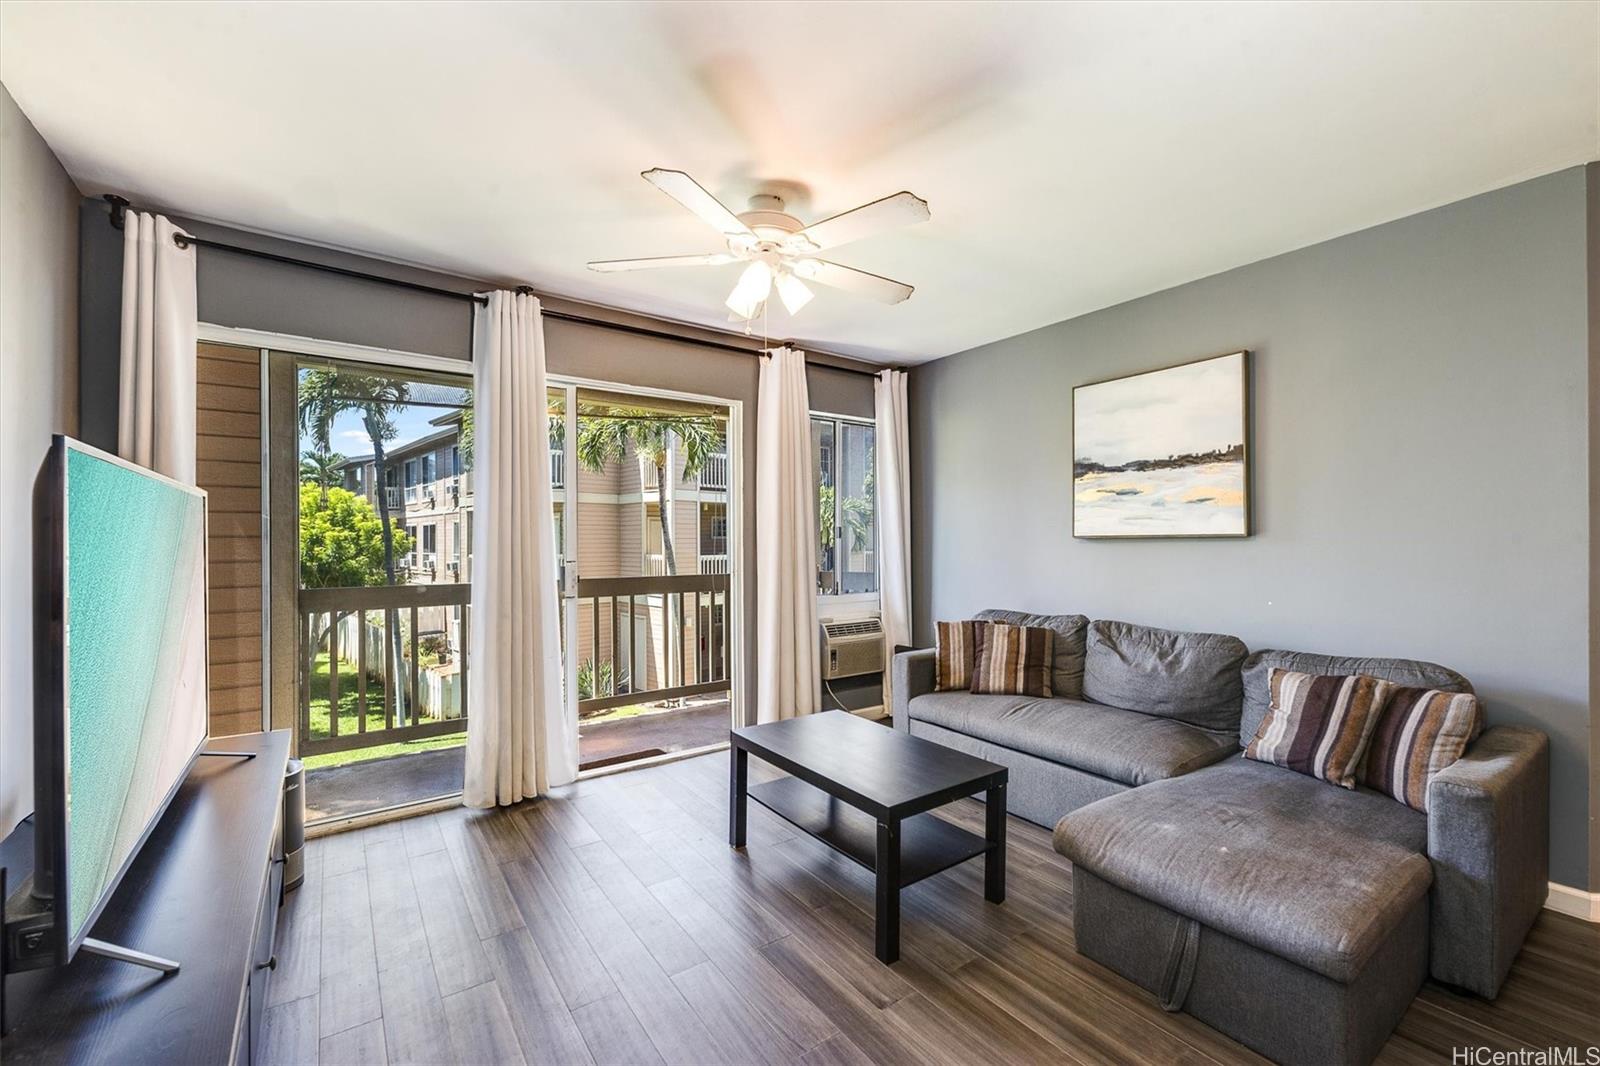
{"points": [[1420, 732], [1012, 660], [1319, 725], [957, 644]]}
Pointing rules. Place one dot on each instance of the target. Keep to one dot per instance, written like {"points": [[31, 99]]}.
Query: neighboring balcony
{"points": [[714, 475]]}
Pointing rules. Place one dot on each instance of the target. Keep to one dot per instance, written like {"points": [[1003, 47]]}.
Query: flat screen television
{"points": [[120, 674]]}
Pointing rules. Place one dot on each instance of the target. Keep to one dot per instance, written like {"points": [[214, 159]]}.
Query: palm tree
{"points": [[325, 394], [321, 468], [605, 437]]}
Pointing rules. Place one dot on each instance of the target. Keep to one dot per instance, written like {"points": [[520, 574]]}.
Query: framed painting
{"points": [[1164, 453]]}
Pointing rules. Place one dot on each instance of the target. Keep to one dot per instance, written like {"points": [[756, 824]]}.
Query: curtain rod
{"points": [[119, 210]]}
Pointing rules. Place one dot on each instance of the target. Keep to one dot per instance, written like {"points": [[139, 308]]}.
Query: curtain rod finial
{"points": [[119, 208], [525, 290]]}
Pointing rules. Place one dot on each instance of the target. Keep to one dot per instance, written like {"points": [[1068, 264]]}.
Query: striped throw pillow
{"points": [[1419, 733], [1319, 725], [957, 643], [1013, 660]]}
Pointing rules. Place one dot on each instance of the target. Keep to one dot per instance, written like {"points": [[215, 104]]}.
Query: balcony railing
{"points": [[384, 633], [714, 474], [558, 468], [713, 564], [396, 497], [647, 639]]}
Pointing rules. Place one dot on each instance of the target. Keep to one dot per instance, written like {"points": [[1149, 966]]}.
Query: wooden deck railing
{"points": [[686, 624], [387, 637]]}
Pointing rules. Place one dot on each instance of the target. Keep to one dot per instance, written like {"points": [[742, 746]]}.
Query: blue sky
{"points": [[349, 437]]}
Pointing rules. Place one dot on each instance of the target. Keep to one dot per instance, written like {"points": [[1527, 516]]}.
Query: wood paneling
{"points": [[645, 938], [228, 467]]}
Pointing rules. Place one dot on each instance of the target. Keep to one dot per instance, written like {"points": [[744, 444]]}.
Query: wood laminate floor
{"points": [[611, 923]]}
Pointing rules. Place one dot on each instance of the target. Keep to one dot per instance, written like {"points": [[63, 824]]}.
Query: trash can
{"points": [[294, 825]]}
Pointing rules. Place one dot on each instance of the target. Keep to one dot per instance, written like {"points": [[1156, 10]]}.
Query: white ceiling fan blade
{"points": [[607, 266], [851, 280], [793, 292], [891, 212], [684, 189]]}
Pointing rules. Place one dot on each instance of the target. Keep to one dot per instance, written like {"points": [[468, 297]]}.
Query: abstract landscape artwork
{"points": [[1164, 453]]}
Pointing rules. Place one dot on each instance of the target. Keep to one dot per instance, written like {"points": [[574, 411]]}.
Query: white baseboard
{"points": [[1574, 901]]}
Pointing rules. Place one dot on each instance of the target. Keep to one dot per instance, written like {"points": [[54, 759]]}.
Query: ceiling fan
{"points": [[779, 249]]}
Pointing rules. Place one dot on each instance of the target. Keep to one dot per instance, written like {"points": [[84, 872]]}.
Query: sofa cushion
{"points": [[1066, 677], [1193, 677], [1316, 875], [1408, 672], [1011, 660], [1122, 746], [1320, 724], [1421, 732], [955, 648]]}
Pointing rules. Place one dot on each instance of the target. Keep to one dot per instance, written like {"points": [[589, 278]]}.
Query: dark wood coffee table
{"points": [[864, 790]]}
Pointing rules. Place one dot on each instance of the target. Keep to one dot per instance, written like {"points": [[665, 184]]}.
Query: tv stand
{"points": [[138, 958], [203, 889]]}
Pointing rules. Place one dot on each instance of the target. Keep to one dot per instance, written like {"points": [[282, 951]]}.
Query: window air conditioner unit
{"points": [[850, 649]]}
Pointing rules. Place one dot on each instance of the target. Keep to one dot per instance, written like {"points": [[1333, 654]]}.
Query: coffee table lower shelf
{"points": [[928, 844]]}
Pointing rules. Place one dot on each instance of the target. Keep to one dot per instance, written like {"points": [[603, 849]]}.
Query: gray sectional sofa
{"points": [[1295, 916]]}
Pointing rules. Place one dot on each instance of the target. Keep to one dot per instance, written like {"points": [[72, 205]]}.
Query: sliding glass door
{"points": [[643, 495], [382, 476]]}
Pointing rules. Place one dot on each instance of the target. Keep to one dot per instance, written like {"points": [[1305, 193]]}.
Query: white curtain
{"points": [[156, 393], [788, 670], [893, 513], [520, 741]]}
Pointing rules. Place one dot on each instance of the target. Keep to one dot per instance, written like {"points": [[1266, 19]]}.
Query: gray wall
{"points": [[1421, 479], [1593, 172], [38, 378], [235, 290]]}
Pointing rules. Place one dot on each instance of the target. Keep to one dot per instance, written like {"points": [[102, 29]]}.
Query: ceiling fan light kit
{"points": [[779, 249]]}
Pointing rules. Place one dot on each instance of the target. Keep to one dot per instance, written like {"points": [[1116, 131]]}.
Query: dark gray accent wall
{"points": [[235, 290], [1422, 483], [38, 371], [248, 293], [1592, 173]]}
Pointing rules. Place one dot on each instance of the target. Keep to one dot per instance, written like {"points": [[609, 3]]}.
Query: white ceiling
{"points": [[1074, 156]]}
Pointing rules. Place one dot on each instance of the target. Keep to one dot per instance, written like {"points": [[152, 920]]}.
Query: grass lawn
{"points": [[348, 714], [384, 751], [614, 714]]}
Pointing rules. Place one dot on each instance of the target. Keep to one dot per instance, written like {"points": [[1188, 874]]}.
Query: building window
{"points": [[842, 467]]}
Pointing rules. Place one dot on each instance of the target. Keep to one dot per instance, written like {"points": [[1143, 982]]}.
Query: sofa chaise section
{"points": [[1301, 918]]}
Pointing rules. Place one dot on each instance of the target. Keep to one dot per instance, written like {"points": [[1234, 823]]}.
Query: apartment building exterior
{"points": [[429, 492]]}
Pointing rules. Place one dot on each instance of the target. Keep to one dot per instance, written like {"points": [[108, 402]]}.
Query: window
{"points": [[430, 533], [411, 472], [842, 468]]}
